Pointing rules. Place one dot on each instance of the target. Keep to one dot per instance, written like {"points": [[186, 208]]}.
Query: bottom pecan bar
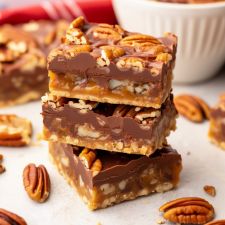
{"points": [[104, 178], [217, 123]]}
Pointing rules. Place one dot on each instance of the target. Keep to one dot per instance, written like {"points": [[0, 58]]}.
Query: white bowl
{"points": [[200, 29]]}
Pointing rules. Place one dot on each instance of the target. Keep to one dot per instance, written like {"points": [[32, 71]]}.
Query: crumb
{"points": [[160, 221], [210, 190]]}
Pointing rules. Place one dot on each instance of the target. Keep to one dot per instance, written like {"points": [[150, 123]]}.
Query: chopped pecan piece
{"points": [[14, 131], [78, 22], [76, 36], [189, 210], [134, 63], [108, 53], [74, 50], [210, 190], [96, 167], [9, 218], [164, 57], [36, 182], [193, 108]]}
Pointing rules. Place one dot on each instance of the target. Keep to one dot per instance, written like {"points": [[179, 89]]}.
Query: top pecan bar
{"points": [[104, 63]]}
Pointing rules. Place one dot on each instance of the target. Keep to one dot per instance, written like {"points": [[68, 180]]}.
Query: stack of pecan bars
{"points": [[109, 111]]}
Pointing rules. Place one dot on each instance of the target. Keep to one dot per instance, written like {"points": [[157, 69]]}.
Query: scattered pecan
{"points": [[36, 182], [14, 131], [9, 218], [189, 210], [210, 190], [216, 222], [88, 157], [192, 107]]}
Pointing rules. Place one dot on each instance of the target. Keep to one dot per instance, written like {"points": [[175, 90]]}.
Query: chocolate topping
{"points": [[117, 166], [142, 48]]}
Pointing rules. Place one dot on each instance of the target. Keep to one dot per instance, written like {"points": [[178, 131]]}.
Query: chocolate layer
{"points": [[117, 166], [71, 58], [103, 119]]}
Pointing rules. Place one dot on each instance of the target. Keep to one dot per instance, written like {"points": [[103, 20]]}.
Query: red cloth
{"points": [[93, 10]]}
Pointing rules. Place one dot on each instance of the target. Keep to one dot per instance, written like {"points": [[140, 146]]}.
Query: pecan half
{"points": [[143, 43], [108, 53], [189, 210], [210, 190], [216, 222], [14, 131], [89, 158], [9, 218], [106, 31], [36, 182], [193, 108]]}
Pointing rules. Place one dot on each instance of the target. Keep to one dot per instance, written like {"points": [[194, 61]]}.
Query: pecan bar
{"points": [[104, 178], [217, 123], [22, 67], [111, 127], [104, 63]]}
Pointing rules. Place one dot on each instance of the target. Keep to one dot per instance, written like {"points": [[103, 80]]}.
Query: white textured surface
{"points": [[204, 165], [200, 30]]}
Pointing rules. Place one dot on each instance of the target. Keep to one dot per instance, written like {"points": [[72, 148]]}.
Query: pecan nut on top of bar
{"points": [[104, 63], [112, 127], [22, 67], [217, 123], [104, 178]]}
